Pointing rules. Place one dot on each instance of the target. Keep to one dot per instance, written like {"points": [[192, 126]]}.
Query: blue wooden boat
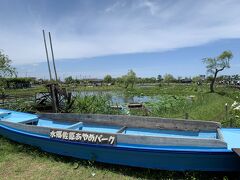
{"points": [[148, 142]]}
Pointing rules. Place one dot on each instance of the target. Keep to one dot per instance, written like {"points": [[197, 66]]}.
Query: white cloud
{"points": [[123, 27], [115, 6], [153, 8]]}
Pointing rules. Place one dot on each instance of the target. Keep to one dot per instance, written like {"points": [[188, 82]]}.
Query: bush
{"points": [[21, 105]]}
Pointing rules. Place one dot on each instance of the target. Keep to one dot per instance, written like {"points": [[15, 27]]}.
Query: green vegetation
{"points": [[168, 78], [5, 66], [215, 65], [16, 83], [108, 79], [69, 80], [129, 79], [175, 101], [19, 161], [93, 105], [30, 92]]}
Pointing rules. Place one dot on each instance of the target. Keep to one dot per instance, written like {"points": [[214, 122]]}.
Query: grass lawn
{"points": [[25, 92], [19, 161]]}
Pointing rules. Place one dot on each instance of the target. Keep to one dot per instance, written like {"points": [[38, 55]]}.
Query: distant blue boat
{"points": [[148, 142]]}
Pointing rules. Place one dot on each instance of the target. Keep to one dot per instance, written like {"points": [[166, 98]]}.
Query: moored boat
{"points": [[148, 142]]}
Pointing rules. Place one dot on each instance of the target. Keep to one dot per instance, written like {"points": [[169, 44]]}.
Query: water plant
{"points": [[168, 104], [21, 105], [94, 104]]}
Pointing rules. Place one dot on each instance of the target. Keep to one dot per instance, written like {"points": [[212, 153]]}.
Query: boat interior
{"points": [[112, 124], [152, 131]]}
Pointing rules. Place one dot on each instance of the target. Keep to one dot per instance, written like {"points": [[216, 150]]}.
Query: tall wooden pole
{"points": [[49, 69], [54, 66], [52, 87]]}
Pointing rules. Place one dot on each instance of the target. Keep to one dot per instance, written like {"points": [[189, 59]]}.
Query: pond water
{"points": [[118, 97]]}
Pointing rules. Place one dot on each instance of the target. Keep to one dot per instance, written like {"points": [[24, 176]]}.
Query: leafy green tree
{"points": [[5, 66], [159, 78], [69, 80], [168, 78], [140, 80], [197, 79], [119, 80], [217, 64], [130, 78], [108, 79]]}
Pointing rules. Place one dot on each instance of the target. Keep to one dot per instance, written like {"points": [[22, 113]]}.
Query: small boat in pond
{"points": [[148, 142]]}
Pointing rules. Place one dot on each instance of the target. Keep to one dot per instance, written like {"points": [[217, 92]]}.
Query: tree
{"points": [[108, 79], [168, 78], [159, 78], [119, 80], [217, 64], [197, 79], [130, 78], [69, 80], [5, 66]]}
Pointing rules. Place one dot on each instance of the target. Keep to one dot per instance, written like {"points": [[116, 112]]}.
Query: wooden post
{"points": [[45, 44], [53, 94], [52, 86], [54, 66]]}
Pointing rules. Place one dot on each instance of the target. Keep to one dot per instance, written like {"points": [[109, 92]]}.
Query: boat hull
{"points": [[138, 157]]}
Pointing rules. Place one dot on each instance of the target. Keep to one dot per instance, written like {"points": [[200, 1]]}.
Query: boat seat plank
{"points": [[236, 151], [219, 134], [4, 114], [169, 141], [78, 125], [122, 129], [30, 121], [135, 121]]}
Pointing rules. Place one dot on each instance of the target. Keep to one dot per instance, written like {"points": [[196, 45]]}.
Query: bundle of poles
{"points": [[51, 85]]}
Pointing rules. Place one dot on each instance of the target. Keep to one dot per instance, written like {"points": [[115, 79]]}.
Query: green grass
{"points": [[19, 161], [210, 107], [25, 92], [174, 104], [205, 106], [93, 88]]}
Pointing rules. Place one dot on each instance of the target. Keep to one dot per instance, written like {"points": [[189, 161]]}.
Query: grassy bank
{"points": [[19, 161], [196, 101], [203, 107], [25, 92]]}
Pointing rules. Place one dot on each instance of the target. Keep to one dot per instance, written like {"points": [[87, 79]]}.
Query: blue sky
{"points": [[92, 38]]}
